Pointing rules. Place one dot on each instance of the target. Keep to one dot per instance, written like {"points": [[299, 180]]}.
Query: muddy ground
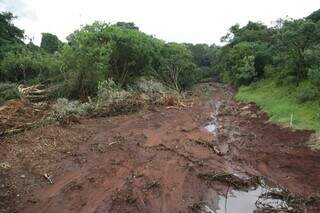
{"points": [[159, 160]]}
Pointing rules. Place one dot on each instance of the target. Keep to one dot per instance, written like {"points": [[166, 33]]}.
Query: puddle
{"points": [[238, 201], [213, 125], [212, 128], [260, 199]]}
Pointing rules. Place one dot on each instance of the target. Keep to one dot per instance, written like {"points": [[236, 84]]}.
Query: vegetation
{"points": [[8, 91], [50, 43], [280, 103], [92, 55], [259, 59], [281, 65]]}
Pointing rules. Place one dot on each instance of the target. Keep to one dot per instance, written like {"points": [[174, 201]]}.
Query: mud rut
{"points": [[163, 160]]}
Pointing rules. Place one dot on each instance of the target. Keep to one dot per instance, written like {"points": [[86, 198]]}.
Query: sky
{"points": [[192, 21]]}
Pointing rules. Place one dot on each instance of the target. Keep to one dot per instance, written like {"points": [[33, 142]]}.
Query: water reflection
{"points": [[258, 199], [213, 126]]}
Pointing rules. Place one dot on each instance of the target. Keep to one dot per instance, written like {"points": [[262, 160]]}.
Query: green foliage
{"points": [[306, 92], [252, 32], [244, 58], [239, 67], [204, 58], [8, 91], [314, 76], [292, 41], [110, 93], [200, 53], [149, 85], [313, 59], [177, 69], [315, 16], [50, 43], [86, 59], [245, 72], [9, 34], [133, 54], [98, 52], [24, 65], [64, 108], [280, 103], [128, 25]]}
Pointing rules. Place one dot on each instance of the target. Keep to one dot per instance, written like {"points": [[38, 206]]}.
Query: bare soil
{"points": [[154, 160]]}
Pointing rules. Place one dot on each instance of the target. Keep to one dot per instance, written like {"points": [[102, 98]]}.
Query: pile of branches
{"points": [[18, 115], [34, 93], [132, 103]]}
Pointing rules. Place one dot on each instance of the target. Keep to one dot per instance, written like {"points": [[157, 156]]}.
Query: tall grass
{"points": [[280, 103]]}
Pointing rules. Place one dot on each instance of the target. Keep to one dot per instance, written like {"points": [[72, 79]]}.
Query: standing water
{"points": [[213, 125], [259, 199]]}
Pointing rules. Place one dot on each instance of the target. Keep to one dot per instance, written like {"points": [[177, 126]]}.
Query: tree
{"points": [[177, 69], [128, 25], [200, 53], [247, 52], [292, 40], [133, 53], [9, 33], [313, 59], [27, 65], [238, 67], [86, 63], [315, 16], [50, 42], [252, 32]]}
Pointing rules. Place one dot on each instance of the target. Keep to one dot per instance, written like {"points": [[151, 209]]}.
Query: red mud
{"points": [[150, 161]]}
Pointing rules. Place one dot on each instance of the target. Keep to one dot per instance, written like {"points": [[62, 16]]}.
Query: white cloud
{"points": [[196, 21]]}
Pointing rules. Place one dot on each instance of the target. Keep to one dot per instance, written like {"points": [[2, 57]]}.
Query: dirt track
{"points": [[153, 161]]}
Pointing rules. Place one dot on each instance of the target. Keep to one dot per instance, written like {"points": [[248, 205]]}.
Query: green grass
{"points": [[279, 103]]}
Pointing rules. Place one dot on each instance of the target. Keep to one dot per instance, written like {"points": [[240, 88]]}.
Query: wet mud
{"points": [[217, 155]]}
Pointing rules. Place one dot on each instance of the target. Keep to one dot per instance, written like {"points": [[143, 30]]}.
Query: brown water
{"points": [[253, 200]]}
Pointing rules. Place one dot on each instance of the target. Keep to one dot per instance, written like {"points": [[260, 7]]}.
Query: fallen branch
{"points": [[48, 177]]}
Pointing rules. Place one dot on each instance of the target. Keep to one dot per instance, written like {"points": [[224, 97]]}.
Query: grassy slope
{"points": [[279, 105]]}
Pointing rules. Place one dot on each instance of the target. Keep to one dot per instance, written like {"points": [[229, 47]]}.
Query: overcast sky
{"points": [[194, 21]]}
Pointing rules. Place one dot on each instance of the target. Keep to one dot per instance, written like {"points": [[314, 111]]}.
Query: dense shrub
{"points": [[24, 66], [85, 61], [64, 108], [149, 85], [314, 77], [133, 54], [177, 69], [109, 92], [8, 91], [307, 93], [50, 42]]}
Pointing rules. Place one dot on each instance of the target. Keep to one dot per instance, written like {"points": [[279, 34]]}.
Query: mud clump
{"points": [[231, 180]]}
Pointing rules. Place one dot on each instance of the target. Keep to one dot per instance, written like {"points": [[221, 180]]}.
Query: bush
{"points": [[109, 92], [86, 61], [8, 91], [177, 69], [149, 85], [286, 79], [314, 76], [24, 66], [245, 71], [64, 108], [307, 92]]}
